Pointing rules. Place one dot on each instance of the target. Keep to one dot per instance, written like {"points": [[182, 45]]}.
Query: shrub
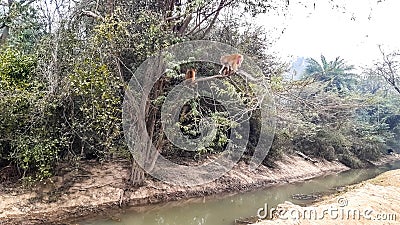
{"points": [[28, 136]]}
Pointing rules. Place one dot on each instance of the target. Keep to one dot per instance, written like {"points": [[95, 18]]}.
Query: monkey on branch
{"points": [[230, 64], [190, 75]]}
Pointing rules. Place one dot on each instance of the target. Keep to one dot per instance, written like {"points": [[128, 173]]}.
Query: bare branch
{"points": [[173, 17], [218, 10], [26, 2], [209, 78], [387, 69], [222, 76], [92, 14], [185, 23]]}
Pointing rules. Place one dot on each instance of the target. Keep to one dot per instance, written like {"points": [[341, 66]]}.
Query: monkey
{"points": [[230, 63], [190, 75], [226, 71]]}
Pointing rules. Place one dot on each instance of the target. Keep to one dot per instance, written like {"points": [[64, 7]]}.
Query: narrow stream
{"points": [[223, 210]]}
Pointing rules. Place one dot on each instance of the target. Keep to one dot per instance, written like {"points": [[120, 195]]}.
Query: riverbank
{"points": [[375, 201], [93, 189]]}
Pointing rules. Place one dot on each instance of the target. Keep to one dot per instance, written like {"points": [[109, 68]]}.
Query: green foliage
{"points": [[351, 139], [350, 160], [335, 75], [254, 41], [348, 126], [282, 144], [194, 116], [133, 37], [36, 153], [61, 93], [96, 113], [25, 25], [28, 139], [16, 68]]}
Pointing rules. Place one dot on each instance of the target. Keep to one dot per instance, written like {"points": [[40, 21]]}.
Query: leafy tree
{"points": [[29, 132], [352, 130], [20, 24], [63, 77], [336, 75]]}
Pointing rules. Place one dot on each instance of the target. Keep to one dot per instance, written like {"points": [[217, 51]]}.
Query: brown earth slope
{"points": [[94, 188], [375, 201]]}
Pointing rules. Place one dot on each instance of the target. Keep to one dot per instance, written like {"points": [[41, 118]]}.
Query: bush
{"points": [[28, 136], [16, 68], [94, 109], [350, 160], [328, 153], [280, 145]]}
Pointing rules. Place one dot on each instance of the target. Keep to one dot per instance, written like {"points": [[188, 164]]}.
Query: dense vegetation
{"points": [[64, 68]]}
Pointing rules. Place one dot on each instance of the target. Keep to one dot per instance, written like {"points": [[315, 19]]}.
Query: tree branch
{"points": [[209, 78], [173, 18], [26, 2], [185, 23], [92, 14], [220, 7], [391, 75]]}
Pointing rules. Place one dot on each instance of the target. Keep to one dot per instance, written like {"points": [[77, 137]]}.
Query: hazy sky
{"points": [[352, 31]]}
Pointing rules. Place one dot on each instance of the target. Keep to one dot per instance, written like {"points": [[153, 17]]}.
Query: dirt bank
{"points": [[375, 201], [94, 188]]}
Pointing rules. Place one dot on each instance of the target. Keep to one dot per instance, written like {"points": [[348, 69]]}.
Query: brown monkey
{"points": [[226, 71], [230, 63], [190, 75]]}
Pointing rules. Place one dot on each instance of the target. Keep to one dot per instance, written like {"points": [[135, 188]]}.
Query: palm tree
{"points": [[336, 75]]}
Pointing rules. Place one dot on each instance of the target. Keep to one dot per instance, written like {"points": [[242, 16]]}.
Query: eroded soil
{"points": [[95, 188], [375, 201]]}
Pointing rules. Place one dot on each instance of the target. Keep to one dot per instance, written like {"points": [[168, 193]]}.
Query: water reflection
{"points": [[223, 210]]}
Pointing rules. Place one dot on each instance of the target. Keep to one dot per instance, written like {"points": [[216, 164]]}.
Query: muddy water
{"points": [[223, 210]]}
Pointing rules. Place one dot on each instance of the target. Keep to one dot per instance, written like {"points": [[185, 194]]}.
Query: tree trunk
{"points": [[4, 35], [137, 174], [6, 28], [143, 121]]}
